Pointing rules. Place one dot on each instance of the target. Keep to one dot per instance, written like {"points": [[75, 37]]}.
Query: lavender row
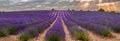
{"points": [[23, 16], [35, 29], [98, 29], [56, 33], [76, 32], [14, 27], [111, 21]]}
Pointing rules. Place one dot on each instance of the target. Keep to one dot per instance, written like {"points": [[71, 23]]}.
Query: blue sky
{"points": [[12, 5]]}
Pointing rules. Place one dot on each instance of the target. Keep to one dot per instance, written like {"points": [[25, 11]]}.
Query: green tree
{"points": [[101, 10]]}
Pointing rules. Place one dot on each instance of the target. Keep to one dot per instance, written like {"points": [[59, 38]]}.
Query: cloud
{"points": [[24, 0], [86, 0], [58, 4], [110, 0], [46, 3]]}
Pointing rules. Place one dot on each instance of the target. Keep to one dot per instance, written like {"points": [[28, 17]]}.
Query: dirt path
{"points": [[94, 37], [117, 36], [68, 37], [41, 36], [10, 38]]}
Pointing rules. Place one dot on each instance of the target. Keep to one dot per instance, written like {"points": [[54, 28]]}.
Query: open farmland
{"points": [[59, 25]]}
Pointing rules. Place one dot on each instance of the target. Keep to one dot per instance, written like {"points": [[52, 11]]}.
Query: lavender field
{"points": [[59, 25]]}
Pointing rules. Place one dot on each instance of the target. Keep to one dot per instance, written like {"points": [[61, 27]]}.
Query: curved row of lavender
{"points": [[35, 29], [98, 22], [76, 32], [29, 23], [56, 32]]}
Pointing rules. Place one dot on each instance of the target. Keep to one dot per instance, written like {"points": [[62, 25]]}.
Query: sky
{"points": [[16, 5]]}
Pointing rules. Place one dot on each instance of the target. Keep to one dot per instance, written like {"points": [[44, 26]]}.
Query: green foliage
{"points": [[81, 36], [101, 10], [106, 33], [54, 38], [112, 12], [116, 13], [24, 37], [53, 9], [68, 9], [3, 33], [73, 10], [116, 29], [31, 33], [38, 30], [12, 30]]}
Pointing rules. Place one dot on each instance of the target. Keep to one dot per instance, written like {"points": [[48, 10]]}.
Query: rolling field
{"points": [[59, 25]]}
